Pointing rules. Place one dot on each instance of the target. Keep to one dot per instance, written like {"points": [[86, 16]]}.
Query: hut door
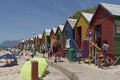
{"points": [[78, 36], [65, 37], [98, 35]]}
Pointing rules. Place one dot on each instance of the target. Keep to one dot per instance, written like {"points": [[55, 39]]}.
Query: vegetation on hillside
{"points": [[88, 10]]}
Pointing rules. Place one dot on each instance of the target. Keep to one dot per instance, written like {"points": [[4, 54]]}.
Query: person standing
{"points": [[43, 50], [105, 51], [89, 34], [33, 50]]}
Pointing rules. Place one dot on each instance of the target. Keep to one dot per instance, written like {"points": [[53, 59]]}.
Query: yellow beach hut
{"points": [[46, 36], [81, 26]]}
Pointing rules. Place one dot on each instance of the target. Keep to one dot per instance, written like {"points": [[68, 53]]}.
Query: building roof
{"points": [[47, 31], [112, 8], [61, 27], [88, 16], [72, 22], [54, 30], [40, 36]]}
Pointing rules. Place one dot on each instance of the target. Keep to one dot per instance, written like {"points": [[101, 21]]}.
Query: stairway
{"points": [[96, 55]]}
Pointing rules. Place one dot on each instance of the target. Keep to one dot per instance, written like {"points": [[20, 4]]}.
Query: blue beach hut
{"points": [[68, 32]]}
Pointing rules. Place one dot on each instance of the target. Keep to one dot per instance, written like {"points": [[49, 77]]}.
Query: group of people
{"points": [[56, 49]]}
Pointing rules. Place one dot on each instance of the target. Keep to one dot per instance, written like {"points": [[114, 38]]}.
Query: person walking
{"points": [[55, 47], [60, 51]]}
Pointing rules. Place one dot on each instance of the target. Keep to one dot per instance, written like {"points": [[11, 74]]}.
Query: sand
{"points": [[12, 73]]}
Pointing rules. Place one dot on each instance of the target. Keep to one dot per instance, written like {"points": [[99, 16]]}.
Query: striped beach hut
{"points": [[106, 26], [81, 27]]}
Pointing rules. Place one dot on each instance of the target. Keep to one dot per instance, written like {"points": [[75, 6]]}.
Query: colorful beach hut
{"points": [[59, 32], [68, 32], [52, 33], [39, 42], [106, 26], [46, 36], [81, 27]]}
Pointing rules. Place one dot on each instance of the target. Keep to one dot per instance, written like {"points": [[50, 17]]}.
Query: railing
{"points": [[94, 51]]}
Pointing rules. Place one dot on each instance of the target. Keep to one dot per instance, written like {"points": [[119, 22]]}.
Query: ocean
{"points": [[5, 47]]}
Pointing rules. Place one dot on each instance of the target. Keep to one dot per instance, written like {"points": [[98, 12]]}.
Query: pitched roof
{"points": [[112, 8], [54, 30], [88, 16], [61, 27], [72, 22], [47, 31], [40, 35]]}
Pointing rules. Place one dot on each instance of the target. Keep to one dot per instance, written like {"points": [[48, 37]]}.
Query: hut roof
{"points": [[88, 16], [54, 30], [61, 27], [112, 8], [47, 31], [40, 36], [72, 22]]}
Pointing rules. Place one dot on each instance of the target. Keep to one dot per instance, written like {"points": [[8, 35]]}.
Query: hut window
{"points": [[117, 23], [117, 29]]}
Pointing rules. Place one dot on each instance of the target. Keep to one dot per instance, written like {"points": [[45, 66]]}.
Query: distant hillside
{"points": [[11, 44], [77, 14]]}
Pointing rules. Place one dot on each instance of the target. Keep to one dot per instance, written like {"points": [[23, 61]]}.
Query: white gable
{"points": [[61, 27], [40, 36], [72, 22], [47, 31], [112, 8], [54, 30], [88, 16]]}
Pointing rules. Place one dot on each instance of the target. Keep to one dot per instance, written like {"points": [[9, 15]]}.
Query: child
{"points": [[77, 57], [50, 53]]}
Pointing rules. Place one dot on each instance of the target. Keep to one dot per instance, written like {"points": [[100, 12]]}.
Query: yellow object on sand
{"points": [[25, 72]]}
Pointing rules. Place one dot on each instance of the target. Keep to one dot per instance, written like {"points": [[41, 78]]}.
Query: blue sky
{"points": [[19, 18]]}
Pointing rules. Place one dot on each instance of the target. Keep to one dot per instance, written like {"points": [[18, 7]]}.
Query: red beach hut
{"points": [[106, 26]]}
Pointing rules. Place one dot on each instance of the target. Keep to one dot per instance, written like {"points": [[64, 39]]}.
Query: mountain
{"points": [[88, 10], [9, 44]]}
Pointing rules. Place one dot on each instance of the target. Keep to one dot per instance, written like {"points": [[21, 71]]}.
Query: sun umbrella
{"points": [[7, 56], [25, 72]]}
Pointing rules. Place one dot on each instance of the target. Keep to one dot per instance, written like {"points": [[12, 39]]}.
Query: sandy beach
{"points": [[12, 73]]}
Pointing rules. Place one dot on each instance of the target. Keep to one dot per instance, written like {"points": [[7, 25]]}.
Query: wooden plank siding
{"points": [[59, 33], [51, 36], [68, 32], [44, 37], [106, 21], [84, 24]]}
